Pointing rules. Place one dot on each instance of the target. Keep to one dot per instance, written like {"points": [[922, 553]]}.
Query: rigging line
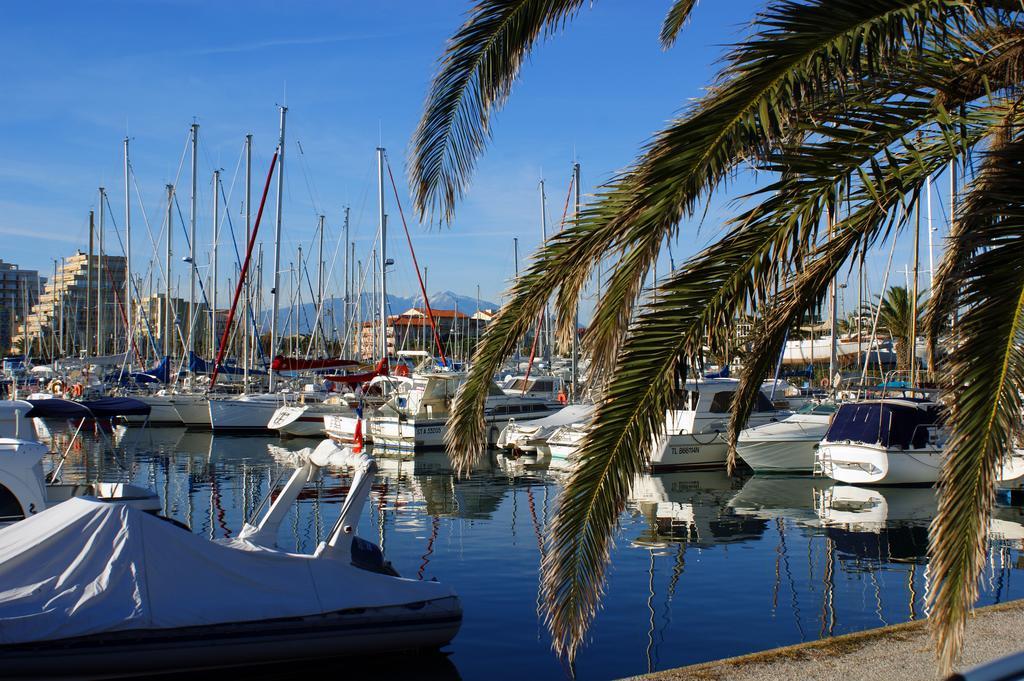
{"points": [[415, 264], [135, 288], [250, 313], [142, 206], [305, 176]]}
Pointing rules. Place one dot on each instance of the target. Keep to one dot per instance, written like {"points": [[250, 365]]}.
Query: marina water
{"points": [[704, 566]]}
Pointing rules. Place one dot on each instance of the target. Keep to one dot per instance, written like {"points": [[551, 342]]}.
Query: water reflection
{"points": [[705, 566]]}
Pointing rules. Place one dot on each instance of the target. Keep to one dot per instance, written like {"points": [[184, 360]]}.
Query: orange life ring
{"points": [[825, 383], [76, 390], [57, 387], [401, 370], [562, 399]]}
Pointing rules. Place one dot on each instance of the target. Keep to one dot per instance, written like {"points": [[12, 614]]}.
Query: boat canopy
{"points": [[282, 363], [87, 567], [56, 408], [890, 423], [103, 408], [108, 407]]}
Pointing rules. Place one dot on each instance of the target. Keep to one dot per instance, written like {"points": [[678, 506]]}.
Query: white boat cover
{"points": [[542, 428], [85, 567]]}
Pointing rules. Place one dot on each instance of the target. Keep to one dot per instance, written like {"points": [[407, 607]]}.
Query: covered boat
{"points": [[891, 442], [91, 590]]}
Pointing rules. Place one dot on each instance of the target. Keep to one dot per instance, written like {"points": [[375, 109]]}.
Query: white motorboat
{"points": [[418, 420], [531, 436], [24, 490], [786, 445], [805, 352], [335, 417], [892, 442], [139, 595], [695, 429], [564, 442], [544, 387]]}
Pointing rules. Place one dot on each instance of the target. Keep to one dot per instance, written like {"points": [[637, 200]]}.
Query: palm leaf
{"points": [[677, 17], [984, 381], [475, 76]]}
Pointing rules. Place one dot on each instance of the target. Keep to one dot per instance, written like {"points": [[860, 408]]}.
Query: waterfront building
{"points": [[19, 291], [64, 321]]}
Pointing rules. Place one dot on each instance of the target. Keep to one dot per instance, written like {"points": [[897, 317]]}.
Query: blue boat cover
{"points": [[885, 423], [56, 408], [108, 407]]}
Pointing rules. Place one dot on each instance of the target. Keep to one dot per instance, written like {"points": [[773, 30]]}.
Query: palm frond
{"points": [[475, 76], [678, 15], [984, 382], [795, 57]]}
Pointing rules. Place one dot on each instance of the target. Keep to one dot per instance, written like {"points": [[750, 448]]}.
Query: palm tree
{"points": [[859, 99], [896, 317]]}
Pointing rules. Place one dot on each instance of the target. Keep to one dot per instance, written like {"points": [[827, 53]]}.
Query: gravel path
{"points": [[902, 652]]}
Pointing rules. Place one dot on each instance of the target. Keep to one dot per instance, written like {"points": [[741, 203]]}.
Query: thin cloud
{"points": [[280, 42]]}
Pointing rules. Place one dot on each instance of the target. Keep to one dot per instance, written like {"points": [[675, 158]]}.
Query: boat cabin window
{"points": [[721, 402], [10, 508], [542, 385], [819, 408]]}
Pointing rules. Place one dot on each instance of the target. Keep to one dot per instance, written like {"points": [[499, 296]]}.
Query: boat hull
{"points": [[241, 415], [864, 464], [419, 626], [793, 455], [297, 421], [162, 412], [687, 451], [193, 410], [341, 428]]}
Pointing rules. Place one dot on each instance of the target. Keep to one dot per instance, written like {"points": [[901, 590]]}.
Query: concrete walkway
{"points": [[903, 652]]}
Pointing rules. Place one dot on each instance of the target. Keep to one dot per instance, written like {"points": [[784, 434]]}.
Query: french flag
{"points": [[358, 437]]}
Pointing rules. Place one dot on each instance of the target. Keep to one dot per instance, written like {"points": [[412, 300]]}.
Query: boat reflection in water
{"points": [[692, 507], [793, 558]]}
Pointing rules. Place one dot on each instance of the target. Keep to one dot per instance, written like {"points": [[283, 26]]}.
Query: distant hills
{"points": [[304, 316]]}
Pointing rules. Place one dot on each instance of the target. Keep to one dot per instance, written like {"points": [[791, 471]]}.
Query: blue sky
{"points": [[79, 76]]}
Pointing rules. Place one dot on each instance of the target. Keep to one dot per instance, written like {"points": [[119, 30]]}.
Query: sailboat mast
{"points": [[275, 292], [576, 313], [88, 285], [833, 308], [192, 242], [346, 312], [913, 297], [213, 282], [383, 255], [931, 251], [100, 338], [168, 321], [320, 286], [248, 238], [545, 327], [127, 254]]}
